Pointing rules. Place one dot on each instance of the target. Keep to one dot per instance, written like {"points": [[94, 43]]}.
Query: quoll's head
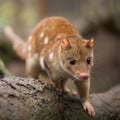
{"points": [[76, 57]]}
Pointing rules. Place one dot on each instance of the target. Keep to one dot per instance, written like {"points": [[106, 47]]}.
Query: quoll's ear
{"points": [[65, 44], [90, 43]]}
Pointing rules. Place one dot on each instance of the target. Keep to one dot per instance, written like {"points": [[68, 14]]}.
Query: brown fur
{"points": [[51, 47]]}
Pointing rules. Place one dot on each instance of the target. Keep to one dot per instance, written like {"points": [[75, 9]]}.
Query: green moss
{"points": [[3, 70]]}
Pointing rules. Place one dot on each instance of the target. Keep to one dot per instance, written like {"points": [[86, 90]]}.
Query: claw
{"points": [[88, 108]]}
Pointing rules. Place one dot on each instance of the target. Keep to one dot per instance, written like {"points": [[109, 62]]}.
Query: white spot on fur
{"points": [[51, 56], [41, 34], [29, 48], [46, 40], [42, 62]]}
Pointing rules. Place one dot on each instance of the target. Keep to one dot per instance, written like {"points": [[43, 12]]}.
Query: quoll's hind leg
{"points": [[32, 66]]}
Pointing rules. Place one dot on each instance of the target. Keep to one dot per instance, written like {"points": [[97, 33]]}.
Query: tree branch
{"points": [[30, 99]]}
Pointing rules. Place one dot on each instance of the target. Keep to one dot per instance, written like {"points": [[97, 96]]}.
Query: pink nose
{"points": [[84, 75]]}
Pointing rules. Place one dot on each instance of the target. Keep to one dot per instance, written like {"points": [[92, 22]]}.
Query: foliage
{"points": [[3, 70], [6, 52]]}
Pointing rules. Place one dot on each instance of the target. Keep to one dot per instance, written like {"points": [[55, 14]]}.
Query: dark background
{"points": [[99, 19]]}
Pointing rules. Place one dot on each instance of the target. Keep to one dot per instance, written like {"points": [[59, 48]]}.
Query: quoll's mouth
{"points": [[84, 76]]}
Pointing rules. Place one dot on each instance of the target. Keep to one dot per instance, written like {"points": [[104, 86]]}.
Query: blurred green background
{"points": [[93, 18]]}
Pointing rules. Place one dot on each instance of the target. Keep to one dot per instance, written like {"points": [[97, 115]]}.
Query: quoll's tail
{"points": [[19, 45]]}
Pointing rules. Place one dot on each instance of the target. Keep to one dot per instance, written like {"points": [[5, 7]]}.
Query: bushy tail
{"points": [[19, 45]]}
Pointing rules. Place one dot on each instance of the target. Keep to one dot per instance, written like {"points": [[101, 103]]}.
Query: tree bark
{"points": [[30, 99]]}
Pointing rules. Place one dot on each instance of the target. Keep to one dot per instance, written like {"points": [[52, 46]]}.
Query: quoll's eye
{"points": [[88, 60], [72, 61]]}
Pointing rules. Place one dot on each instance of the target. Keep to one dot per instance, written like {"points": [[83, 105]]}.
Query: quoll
{"points": [[56, 50]]}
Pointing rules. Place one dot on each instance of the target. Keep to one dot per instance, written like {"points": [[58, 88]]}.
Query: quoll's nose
{"points": [[84, 75]]}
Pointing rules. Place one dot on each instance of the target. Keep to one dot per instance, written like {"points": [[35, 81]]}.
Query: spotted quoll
{"points": [[56, 50]]}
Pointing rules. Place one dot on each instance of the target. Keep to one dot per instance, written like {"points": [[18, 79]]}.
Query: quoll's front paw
{"points": [[69, 92], [88, 108]]}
